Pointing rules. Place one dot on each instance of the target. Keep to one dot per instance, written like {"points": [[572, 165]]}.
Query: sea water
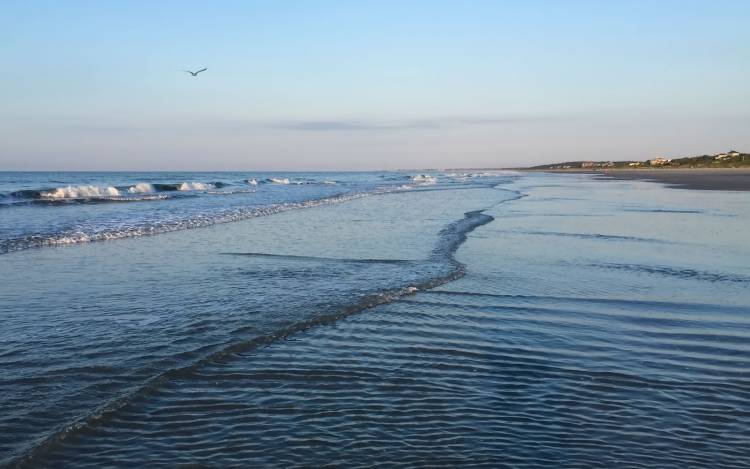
{"points": [[487, 319]]}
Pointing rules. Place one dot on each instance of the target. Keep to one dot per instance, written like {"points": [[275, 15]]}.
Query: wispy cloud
{"points": [[121, 125], [403, 124], [343, 125]]}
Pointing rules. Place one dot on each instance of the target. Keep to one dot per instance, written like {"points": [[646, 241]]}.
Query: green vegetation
{"points": [[731, 159], [711, 161]]}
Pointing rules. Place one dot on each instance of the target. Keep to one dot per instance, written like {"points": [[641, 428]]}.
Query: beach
{"points": [[720, 179], [482, 319], [375, 234]]}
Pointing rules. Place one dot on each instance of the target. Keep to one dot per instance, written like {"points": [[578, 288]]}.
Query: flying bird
{"points": [[195, 74]]}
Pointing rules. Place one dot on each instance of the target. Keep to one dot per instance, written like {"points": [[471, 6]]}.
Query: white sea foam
{"points": [[81, 192], [278, 180], [141, 188], [424, 179], [150, 197], [252, 182], [194, 186], [464, 176], [166, 226], [493, 173], [329, 182]]}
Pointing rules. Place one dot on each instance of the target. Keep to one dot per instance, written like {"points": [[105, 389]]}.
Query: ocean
{"points": [[433, 318]]}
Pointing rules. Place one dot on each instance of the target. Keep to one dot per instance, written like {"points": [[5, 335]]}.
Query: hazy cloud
{"points": [[116, 125], [431, 123]]}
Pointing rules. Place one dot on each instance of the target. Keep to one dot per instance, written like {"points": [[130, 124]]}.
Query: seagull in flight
{"points": [[195, 74]]}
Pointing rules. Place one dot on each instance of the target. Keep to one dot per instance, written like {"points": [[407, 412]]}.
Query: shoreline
{"points": [[533, 334], [712, 179]]}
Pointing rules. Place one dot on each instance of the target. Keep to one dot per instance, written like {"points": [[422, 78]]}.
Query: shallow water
{"points": [[583, 323], [47, 209]]}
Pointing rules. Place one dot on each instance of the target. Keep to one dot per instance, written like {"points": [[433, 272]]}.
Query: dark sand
{"points": [[725, 179]]}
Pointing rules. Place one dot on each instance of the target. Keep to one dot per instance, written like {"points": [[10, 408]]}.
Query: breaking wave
{"points": [[67, 192], [81, 192], [75, 232], [194, 186], [277, 181], [185, 186], [83, 235], [423, 179], [110, 192], [93, 193], [141, 188]]}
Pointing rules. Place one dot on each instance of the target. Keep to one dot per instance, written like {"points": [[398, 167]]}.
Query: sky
{"points": [[356, 85]]}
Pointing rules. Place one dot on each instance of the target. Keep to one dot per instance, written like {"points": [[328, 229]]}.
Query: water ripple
{"points": [[435, 380]]}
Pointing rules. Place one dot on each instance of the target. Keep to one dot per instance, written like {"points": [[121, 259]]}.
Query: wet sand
{"points": [[725, 179]]}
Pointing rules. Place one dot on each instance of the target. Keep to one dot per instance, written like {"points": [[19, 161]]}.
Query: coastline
{"points": [[718, 179], [581, 310], [239, 300]]}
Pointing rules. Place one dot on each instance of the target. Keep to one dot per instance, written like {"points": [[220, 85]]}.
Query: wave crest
{"points": [[141, 188], [165, 226], [424, 179], [80, 192], [194, 186]]}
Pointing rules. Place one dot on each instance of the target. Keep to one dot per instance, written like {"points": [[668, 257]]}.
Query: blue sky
{"points": [[368, 84]]}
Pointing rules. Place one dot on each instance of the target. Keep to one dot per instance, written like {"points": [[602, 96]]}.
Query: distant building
{"points": [[733, 154], [634, 163], [721, 156], [659, 161], [588, 164]]}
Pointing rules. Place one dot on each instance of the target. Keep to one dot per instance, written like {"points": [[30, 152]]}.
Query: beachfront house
{"points": [[659, 161], [725, 156]]}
